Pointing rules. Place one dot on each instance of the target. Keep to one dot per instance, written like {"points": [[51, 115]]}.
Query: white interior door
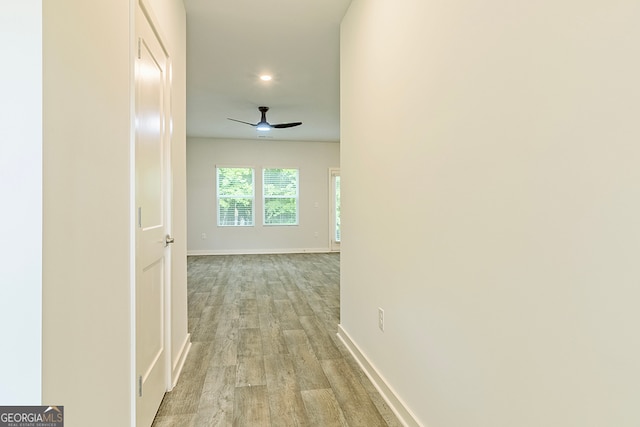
{"points": [[152, 228], [335, 209]]}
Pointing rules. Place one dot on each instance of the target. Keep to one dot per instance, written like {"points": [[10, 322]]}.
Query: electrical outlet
{"points": [[381, 319], [204, 236]]}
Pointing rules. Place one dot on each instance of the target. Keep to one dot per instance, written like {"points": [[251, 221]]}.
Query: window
{"points": [[336, 206], [235, 196], [280, 195]]}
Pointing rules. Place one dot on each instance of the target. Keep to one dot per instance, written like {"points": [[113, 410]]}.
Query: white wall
{"points": [[21, 201], [86, 240], [313, 159], [87, 364], [506, 149]]}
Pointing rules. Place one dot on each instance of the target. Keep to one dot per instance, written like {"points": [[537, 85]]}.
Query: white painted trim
{"points": [[132, 212], [147, 11], [399, 408], [177, 367], [198, 252]]}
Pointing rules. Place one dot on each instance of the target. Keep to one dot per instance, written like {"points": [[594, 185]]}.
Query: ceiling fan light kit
{"points": [[263, 125]]}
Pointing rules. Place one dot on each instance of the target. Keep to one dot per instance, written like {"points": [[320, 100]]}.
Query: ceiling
{"points": [[230, 43]]}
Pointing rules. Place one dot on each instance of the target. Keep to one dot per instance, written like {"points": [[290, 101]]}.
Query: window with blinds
{"points": [[235, 193], [336, 214], [280, 196]]}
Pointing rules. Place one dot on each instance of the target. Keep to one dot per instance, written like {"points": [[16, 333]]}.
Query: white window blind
{"points": [[280, 195], [337, 208], [235, 194]]}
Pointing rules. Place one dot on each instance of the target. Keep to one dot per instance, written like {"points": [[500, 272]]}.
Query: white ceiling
{"points": [[231, 42]]}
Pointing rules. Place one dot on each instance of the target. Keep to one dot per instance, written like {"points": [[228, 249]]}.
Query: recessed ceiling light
{"points": [[265, 77]]}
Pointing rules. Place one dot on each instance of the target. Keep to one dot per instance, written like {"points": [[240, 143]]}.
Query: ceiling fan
{"points": [[263, 125]]}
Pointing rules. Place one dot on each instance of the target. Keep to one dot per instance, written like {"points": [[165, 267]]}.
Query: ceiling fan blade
{"points": [[286, 125], [263, 125], [240, 121]]}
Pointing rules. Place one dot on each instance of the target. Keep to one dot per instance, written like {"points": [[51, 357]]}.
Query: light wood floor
{"points": [[265, 351]]}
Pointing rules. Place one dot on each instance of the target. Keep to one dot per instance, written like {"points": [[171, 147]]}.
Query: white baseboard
{"points": [[197, 252], [176, 369], [404, 414]]}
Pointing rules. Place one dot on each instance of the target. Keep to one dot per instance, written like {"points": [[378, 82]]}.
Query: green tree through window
{"points": [[235, 196], [280, 191]]}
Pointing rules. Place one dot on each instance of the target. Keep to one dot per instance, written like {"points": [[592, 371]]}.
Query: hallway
{"points": [[265, 351]]}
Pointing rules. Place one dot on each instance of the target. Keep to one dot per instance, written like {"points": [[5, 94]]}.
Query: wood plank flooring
{"points": [[265, 351]]}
